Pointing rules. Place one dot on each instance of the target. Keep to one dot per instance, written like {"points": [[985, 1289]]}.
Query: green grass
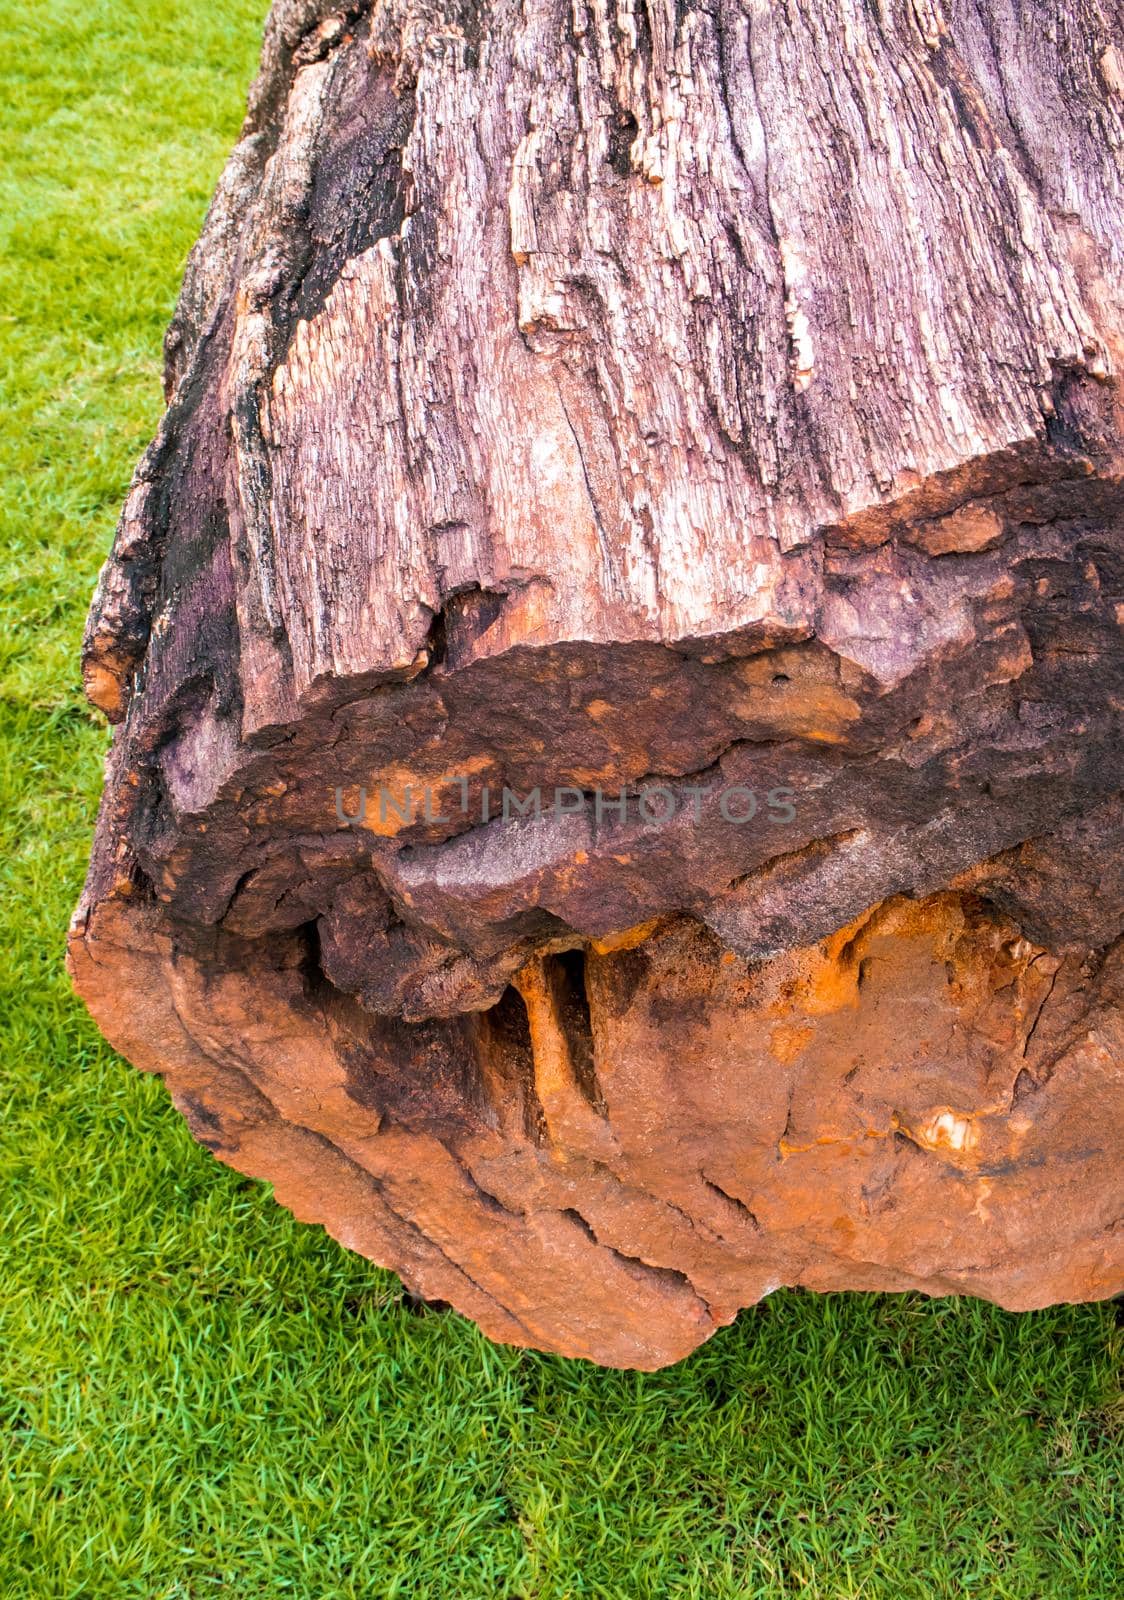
{"points": [[200, 1397]]}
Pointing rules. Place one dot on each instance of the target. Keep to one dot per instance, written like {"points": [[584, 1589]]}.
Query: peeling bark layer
{"points": [[604, 404]]}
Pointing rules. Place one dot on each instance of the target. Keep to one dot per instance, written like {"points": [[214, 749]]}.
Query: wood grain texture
{"points": [[573, 397]]}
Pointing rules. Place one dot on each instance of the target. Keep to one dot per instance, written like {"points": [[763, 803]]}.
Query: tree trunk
{"points": [[616, 649]]}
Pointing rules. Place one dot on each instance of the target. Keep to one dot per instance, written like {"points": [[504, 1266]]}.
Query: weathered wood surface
{"points": [[586, 398]]}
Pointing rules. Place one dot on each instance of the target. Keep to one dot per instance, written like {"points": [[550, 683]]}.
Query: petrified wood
{"points": [[616, 656]]}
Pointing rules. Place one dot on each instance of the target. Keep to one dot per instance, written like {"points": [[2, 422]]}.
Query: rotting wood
{"points": [[718, 407]]}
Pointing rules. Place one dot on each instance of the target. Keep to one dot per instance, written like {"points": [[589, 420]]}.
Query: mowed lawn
{"points": [[201, 1398]]}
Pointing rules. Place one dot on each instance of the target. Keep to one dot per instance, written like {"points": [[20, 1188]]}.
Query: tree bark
{"points": [[701, 428]]}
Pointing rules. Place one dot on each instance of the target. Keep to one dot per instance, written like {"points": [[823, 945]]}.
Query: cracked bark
{"points": [[717, 401]]}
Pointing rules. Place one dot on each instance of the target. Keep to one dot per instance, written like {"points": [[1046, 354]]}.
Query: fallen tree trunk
{"points": [[616, 649]]}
